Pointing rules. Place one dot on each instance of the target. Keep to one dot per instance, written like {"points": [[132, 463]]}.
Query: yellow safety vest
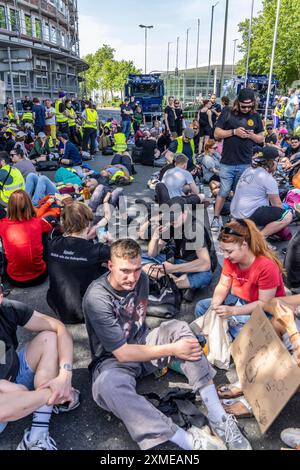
{"points": [[91, 119], [120, 142], [60, 118], [72, 120], [14, 182], [27, 117], [180, 147]]}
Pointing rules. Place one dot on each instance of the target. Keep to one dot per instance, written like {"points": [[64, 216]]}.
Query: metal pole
{"points": [[215, 80], [210, 45], [273, 57], [146, 51], [177, 63], [224, 47], [186, 63], [249, 44], [197, 59], [12, 82], [234, 49], [168, 69]]}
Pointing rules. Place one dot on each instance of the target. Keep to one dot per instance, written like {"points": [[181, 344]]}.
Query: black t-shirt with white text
{"points": [[237, 151], [12, 315], [73, 264]]}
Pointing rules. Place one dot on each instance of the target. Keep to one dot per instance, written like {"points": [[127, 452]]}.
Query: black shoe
{"points": [[189, 295]]}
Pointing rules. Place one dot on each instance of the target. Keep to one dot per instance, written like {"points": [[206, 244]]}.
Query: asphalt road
{"points": [[90, 428]]}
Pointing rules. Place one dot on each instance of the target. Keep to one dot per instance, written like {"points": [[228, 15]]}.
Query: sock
{"points": [[210, 397], [40, 423], [183, 439]]}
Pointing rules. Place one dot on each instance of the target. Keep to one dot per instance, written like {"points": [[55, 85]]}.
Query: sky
{"points": [[117, 24]]}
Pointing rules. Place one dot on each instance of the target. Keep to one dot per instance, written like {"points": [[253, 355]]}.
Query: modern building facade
{"points": [[39, 48], [189, 85]]}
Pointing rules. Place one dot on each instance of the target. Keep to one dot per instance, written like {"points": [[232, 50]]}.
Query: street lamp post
{"points": [[224, 47], [168, 66], [186, 62], [197, 59], [249, 43], [234, 49], [273, 57], [177, 64], [146, 40], [210, 45]]}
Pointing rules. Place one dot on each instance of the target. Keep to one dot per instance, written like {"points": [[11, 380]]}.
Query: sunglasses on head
{"points": [[230, 231]]}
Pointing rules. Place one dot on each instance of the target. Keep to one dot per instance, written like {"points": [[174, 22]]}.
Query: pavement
{"points": [[90, 428]]}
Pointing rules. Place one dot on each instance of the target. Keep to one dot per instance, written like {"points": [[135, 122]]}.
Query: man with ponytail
{"points": [[252, 274]]}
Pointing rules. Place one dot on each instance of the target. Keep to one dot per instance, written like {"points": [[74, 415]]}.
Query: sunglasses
{"points": [[246, 106], [230, 231]]}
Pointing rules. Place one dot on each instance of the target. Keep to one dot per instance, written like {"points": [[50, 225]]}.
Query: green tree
{"points": [[287, 57], [96, 62]]}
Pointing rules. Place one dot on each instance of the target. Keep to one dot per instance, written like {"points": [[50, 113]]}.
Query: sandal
{"points": [[239, 407], [230, 390]]}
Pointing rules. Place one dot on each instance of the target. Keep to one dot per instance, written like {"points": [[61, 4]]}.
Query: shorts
{"points": [[266, 215], [229, 177], [25, 376]]}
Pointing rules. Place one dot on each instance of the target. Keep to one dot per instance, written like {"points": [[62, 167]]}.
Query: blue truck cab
{"points": [[148, 91]]}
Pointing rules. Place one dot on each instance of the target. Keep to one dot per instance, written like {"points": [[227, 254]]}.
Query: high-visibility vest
{"points": [[14, 182], [60, 117], [72, 120], [28, 116], [180, 147], [120, 142], [91, 119]]}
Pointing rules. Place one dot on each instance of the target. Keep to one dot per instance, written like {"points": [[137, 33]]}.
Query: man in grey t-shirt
{"points": [[21, 163], [257, 194], [124, 350]]}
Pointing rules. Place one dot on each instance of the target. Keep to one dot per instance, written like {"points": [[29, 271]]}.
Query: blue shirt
{"points": [[72, 153], [40, 115]]}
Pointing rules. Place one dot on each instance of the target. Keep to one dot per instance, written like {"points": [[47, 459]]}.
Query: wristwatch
{"points": [[67, 367]]}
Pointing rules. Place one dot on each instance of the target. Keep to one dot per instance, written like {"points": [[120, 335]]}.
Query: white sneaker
{"points": [[228, 431], [45, 443], [204, 440], [216, 225], [291, 437]]}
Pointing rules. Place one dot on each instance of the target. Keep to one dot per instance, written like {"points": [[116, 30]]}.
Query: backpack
{"points": [[164, 298], [292, 262], [47, 166]]}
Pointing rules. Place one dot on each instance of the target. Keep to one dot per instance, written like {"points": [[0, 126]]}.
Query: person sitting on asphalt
{"points": [[124, 350], [24, 165], [20, 142], [251, 274], [257, 195], [71, 155], [210, 162], [180, 183], [184, 144], [191, 267], [11, 179], [73, 263], [150, 151], [41, 149], [22, 233], [294, 147], [120, 141], [38, 378]]}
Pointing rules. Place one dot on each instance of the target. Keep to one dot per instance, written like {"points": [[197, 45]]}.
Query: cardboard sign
{"points": [[268, 373]]}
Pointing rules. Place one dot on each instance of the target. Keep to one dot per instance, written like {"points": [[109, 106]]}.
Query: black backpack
{"points": [[292, 262]]}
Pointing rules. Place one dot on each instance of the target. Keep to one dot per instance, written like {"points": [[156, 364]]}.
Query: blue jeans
{"points": [[126, 128], [290, 122], [25, 377], [235, 323], [39, 187], [229, 176], [196, 280]]}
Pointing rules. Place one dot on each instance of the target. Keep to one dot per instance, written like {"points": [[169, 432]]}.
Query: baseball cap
{"points": [[189, 133], [41, 135], [62, 94], [20, 135], [246, 94], [263, 154], [283, 131], [269, 127]]}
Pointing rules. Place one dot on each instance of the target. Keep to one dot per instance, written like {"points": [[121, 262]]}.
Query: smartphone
{"points": [[101, 234]]}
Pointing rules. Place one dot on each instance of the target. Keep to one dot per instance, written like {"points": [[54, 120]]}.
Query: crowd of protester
{"points": [[59, 228]]}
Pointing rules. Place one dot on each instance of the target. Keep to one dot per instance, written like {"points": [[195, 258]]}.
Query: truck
{"points": [[148, 91], [259, 84]]}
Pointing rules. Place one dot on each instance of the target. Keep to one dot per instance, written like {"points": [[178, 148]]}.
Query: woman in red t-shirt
{"points": [[251, 275], [21, 234]]}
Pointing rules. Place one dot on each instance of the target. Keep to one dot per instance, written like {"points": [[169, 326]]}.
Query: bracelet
{"points": [[298, 333], [233, 132]]}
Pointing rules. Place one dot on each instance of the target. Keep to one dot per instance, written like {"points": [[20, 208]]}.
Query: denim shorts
{"points": [[229, 177], [196, 280], [25, 376]]}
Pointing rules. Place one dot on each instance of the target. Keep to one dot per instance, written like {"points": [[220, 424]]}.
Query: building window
{"points": [[38, 28], [14, 20], [53, 35], [41, 81], [3, 22], [41, 64], [19, 79], [28, 25], [46, 32]]}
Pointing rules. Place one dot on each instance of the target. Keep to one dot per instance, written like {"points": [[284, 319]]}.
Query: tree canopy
{"points": [[106, 73], [287, 57]]}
